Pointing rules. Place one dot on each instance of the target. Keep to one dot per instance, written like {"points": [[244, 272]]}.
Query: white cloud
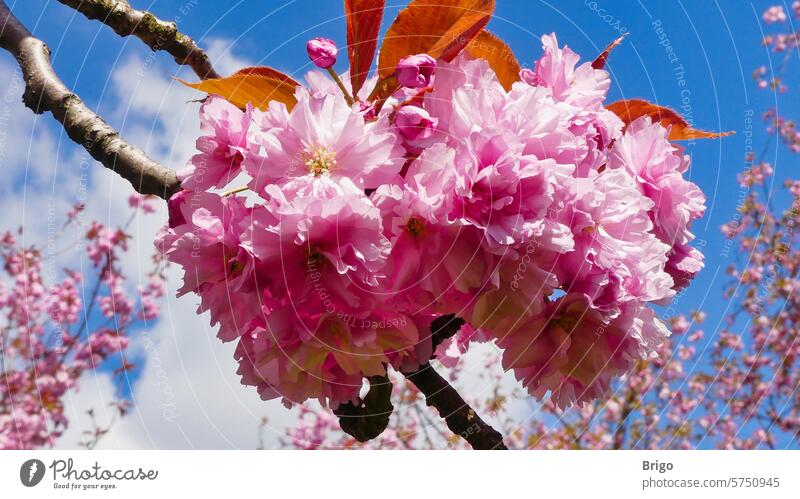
{"points": [[189, 395], [96, 390]]}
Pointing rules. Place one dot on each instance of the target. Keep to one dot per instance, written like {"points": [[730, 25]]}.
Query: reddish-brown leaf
{"points": [[255, 85], [363, 24], [499, 55], [267, 72], [384, 88], [600, 62], [439, 28], [631, 109]]}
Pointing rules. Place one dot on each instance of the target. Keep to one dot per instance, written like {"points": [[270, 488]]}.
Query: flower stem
{"points": [[235, 190], [347, 96]]}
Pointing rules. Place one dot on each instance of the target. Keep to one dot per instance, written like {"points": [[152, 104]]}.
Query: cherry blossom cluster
{"points": [[785, 128], [58, 325], [787, 40], [735, 389], [324, 238]]}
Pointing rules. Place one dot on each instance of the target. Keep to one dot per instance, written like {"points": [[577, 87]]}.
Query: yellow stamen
{"points": [[319, 160]]}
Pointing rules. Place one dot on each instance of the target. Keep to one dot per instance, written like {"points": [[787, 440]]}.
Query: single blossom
{"points": [[323, 136], [301, 356], [322, 52], [321, 241], [573, 351], [416, 71], [581, 86], [435, 266], [222, 146], [207, 245], [414, 123]]}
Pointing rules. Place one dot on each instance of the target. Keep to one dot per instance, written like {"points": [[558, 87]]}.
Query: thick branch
{"points": [[459, 416], [370, 417], [157, 34], [44, 91], [444, 327]]}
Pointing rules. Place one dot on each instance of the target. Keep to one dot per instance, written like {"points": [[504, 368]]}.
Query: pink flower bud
{"points": [[414, 123], [175, 210], [322, 52], [529, 77], [416, 71], [368, 111]]}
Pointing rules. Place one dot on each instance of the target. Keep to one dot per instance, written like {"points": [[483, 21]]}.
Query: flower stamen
{"points": [[415, 226], [318, 159]]}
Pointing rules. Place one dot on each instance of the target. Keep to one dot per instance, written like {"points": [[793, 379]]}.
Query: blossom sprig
{"points": [[547, 221]]}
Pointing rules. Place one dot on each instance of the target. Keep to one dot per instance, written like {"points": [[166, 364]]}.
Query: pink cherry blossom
{"points": [[314, 225], [571, 308], [324, 136], [659, 167], [222, 147], [774, 14], [501, 190], [571, 350], [416, 71], [582, 86], [215, 264], [414, 123]]}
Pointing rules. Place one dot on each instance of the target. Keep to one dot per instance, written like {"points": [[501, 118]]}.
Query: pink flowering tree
{"points": [[732, 391], [54, 333], [369, 223]]}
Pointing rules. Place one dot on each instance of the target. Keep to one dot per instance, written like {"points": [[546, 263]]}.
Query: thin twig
{"points": [[627, 408], [155, 33], [44, 91]]}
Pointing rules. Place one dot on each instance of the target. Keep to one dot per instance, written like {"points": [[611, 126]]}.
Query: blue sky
{"points": [[699, 55]]}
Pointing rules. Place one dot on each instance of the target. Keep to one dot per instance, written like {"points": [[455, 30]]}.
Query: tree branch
{"points": [[44, 91], [444, 327], [627, 408], [459, 416], [370, 417], [155, 33]]}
